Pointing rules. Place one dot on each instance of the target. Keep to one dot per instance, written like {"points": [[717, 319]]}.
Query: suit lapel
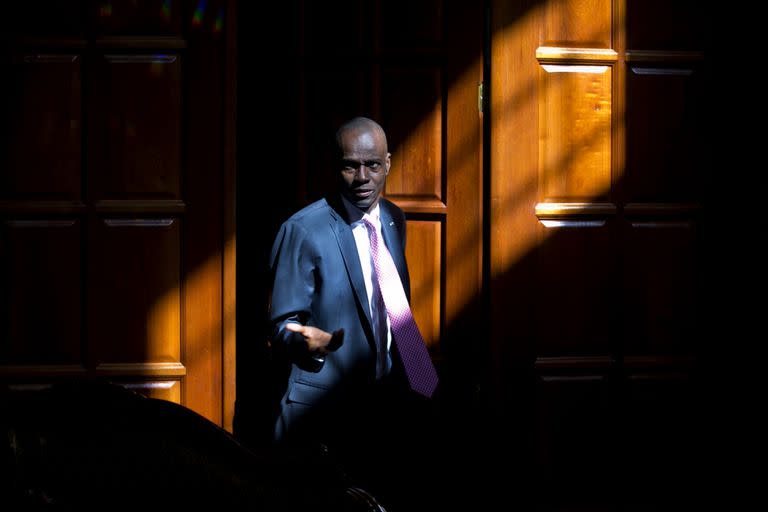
{"points": [[348, 249]]}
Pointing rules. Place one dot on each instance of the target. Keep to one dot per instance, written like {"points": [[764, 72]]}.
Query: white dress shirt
{"points": [[360, 232]]}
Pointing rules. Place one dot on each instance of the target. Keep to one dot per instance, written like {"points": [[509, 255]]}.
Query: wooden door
{"points": [[568, 217], [407, 66], [598, 173], [415, 67], [116, 198]]}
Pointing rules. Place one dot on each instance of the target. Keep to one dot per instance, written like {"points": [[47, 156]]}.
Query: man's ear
{"points": [[388, 162]]}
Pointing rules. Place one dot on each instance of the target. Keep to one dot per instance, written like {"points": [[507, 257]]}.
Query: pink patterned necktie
{"points": [[419, 369]]}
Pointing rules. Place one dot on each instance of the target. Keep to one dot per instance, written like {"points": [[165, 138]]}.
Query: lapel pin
{"points": [[392, 223]]}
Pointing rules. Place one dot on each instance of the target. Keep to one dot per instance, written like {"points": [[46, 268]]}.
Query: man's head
{"points": [[363, 161]]}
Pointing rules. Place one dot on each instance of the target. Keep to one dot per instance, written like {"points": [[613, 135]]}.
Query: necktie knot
{"points": [[369, 225]]}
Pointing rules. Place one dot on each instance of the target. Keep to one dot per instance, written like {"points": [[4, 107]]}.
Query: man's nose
{"points": [[362, 172]]}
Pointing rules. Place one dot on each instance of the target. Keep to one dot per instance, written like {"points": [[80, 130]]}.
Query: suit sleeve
{"points": [[292, 262]]}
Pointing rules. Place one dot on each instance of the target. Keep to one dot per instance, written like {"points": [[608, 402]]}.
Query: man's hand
{"points": [[318, 341]]}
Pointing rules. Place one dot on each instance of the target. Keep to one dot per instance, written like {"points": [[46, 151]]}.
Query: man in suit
{"points": [[346, 391]]}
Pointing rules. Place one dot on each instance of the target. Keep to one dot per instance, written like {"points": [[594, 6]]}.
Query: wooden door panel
{"points": [[660, 282], [411, 101], [575, 131], [574, 441], [42, 127], [577, 23], [135, 291], [576, 294], [662, 132], [424, 255], [41, 292], [661, 25], [136, 126]]}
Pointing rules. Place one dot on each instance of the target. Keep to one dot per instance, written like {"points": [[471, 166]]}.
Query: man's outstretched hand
{"points": [[318, 341]]}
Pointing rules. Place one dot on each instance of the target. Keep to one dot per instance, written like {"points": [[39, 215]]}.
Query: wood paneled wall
{"points": [[116, 198], [598, 172]]}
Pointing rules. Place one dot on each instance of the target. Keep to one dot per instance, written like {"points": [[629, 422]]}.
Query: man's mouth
{"points": [[362, 193]]}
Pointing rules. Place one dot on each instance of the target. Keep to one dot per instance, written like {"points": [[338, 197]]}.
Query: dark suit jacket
{"points": [[317, 280]]}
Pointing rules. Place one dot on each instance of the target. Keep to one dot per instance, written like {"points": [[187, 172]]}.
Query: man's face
{"points": [[364, 165]]}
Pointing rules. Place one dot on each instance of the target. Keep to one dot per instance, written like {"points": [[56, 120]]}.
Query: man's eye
{"points": [[373, 165]]}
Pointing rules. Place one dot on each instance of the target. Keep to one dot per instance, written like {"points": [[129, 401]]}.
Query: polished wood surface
{"points": [[117, 198], [42, 292], [598, 181], [126, 252], [423, 253], [575, 132], [43, 126], [579, 23], [417, 148], [662, 113], [135, 126]]}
